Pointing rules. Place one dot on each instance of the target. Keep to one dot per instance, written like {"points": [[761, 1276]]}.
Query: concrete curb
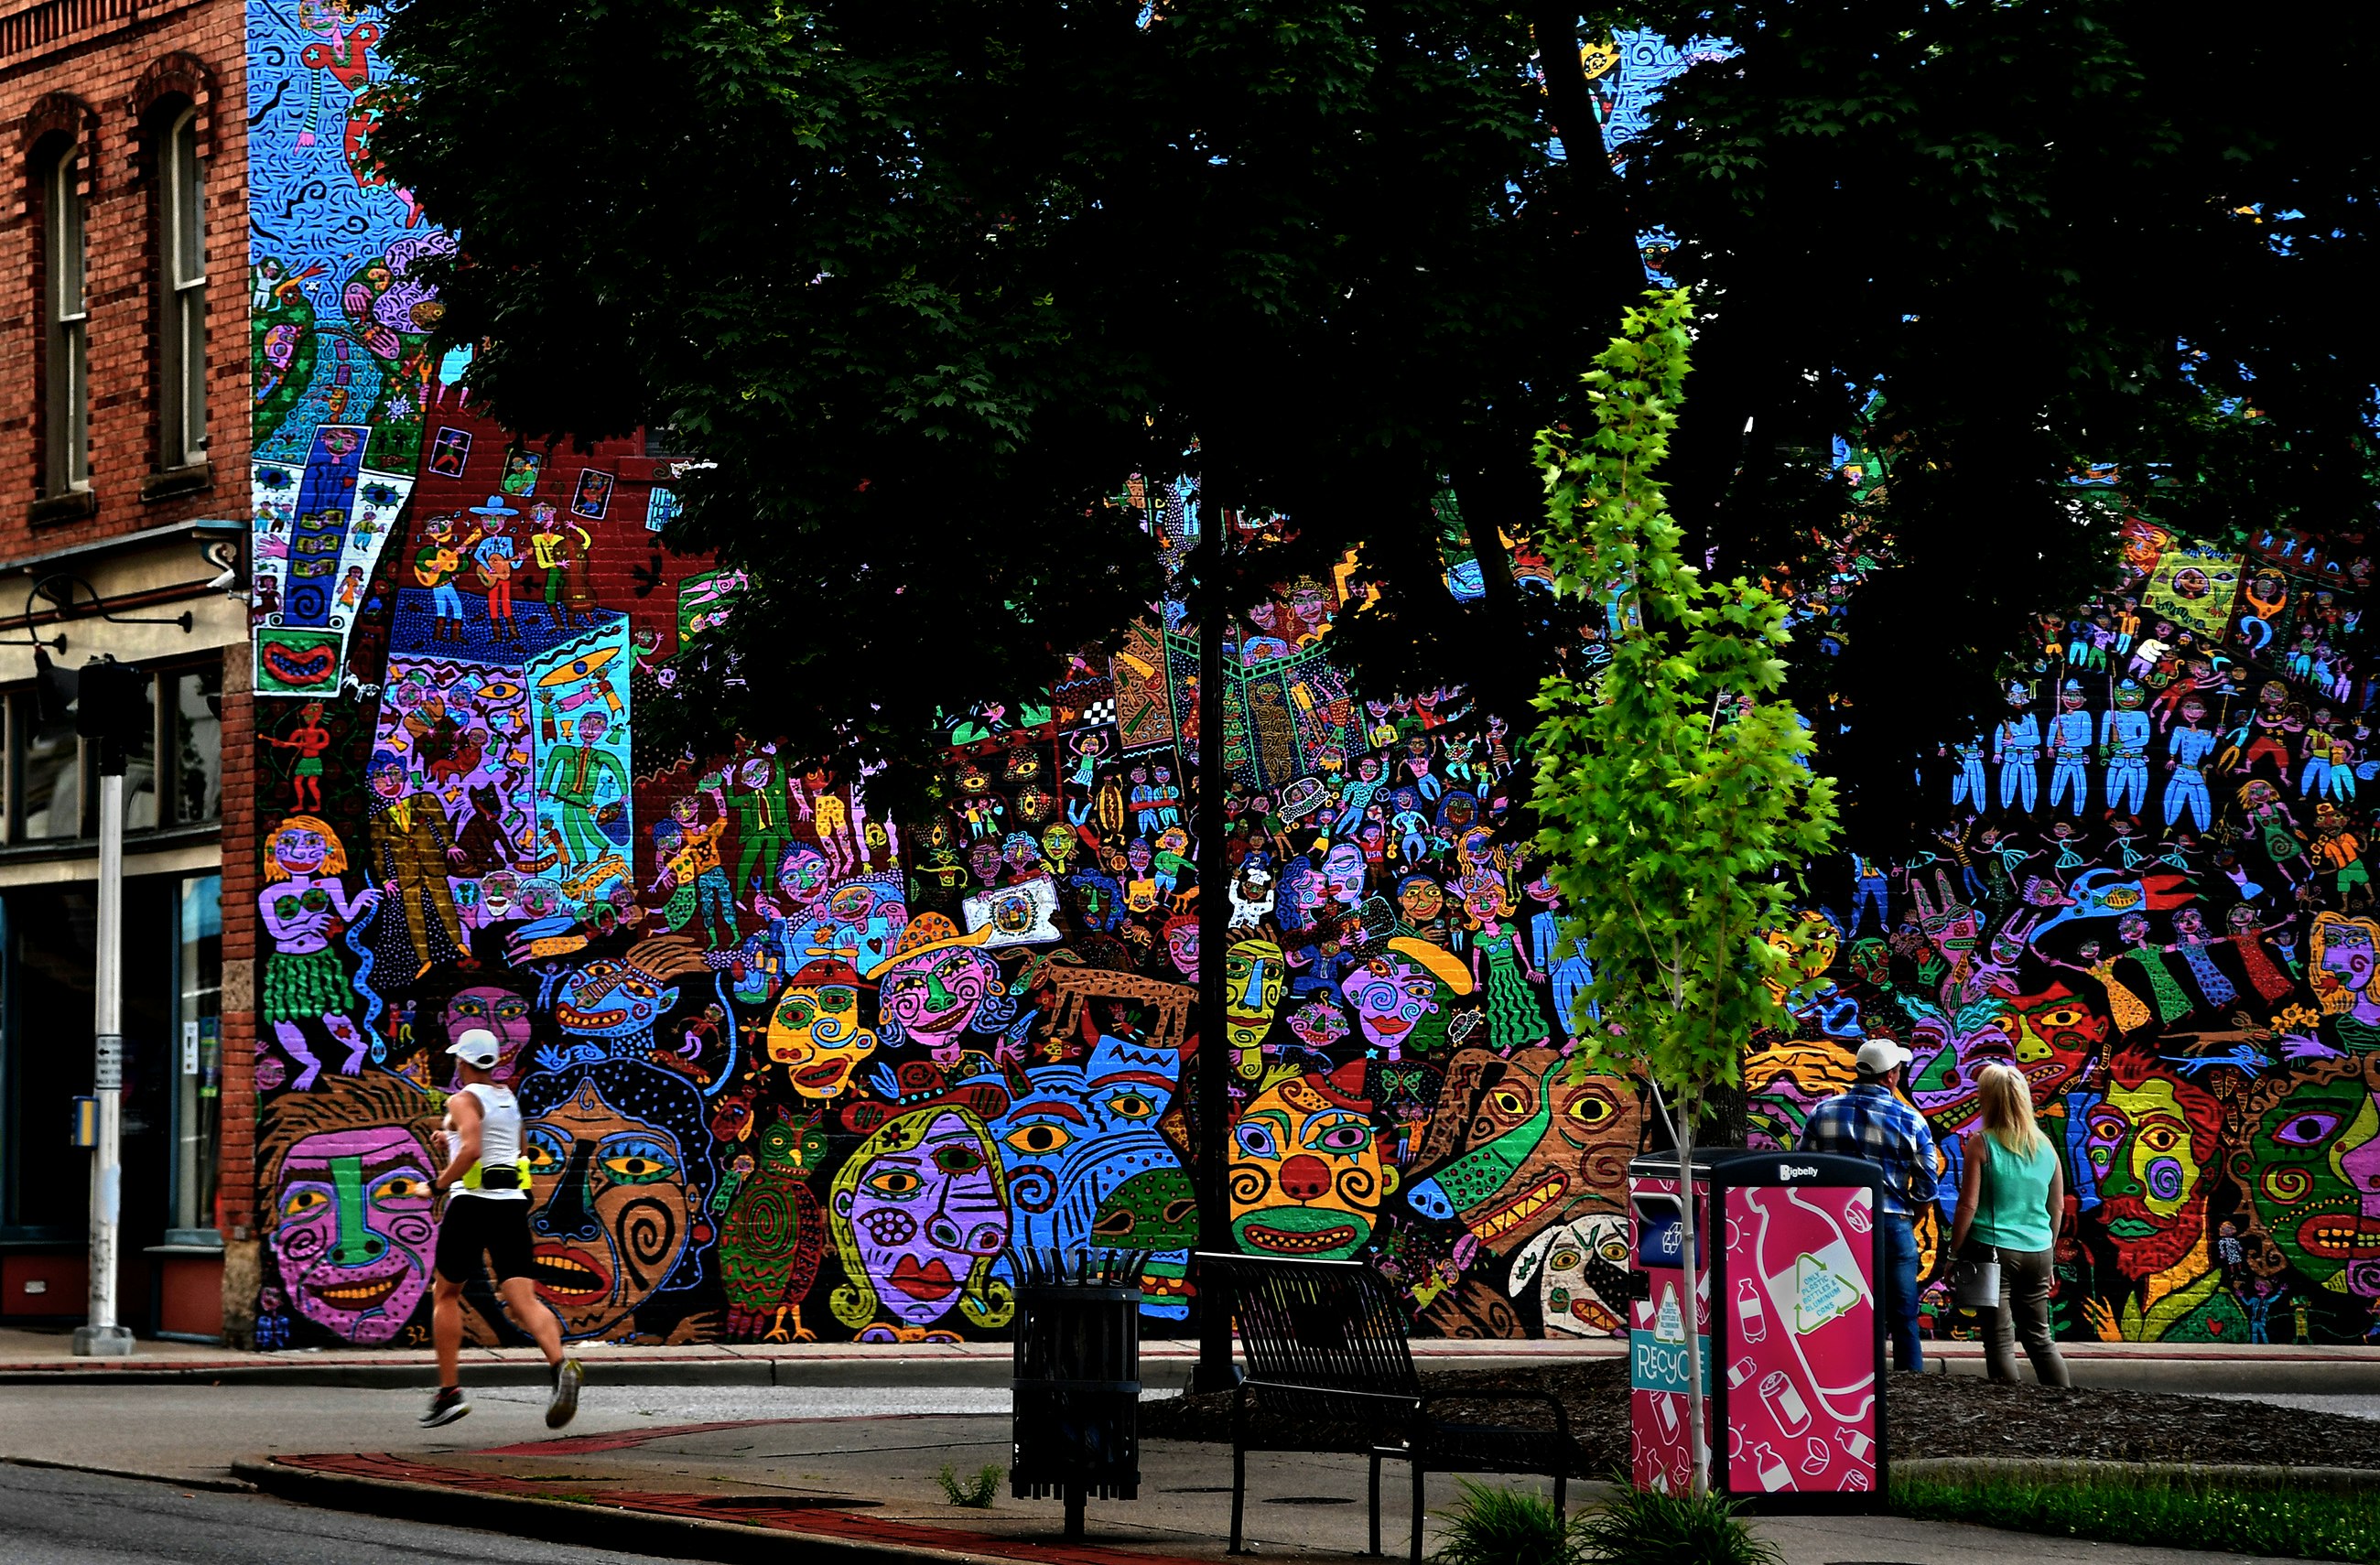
{"points": [[589, 1526], [1981, 1469], [219, 1486], [2336, 1377]]}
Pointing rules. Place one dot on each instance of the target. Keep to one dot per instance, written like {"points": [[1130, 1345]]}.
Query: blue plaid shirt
{"points": [[1870, 1122]]}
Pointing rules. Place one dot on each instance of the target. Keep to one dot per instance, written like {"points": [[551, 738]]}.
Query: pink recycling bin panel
{"points": [[1660, 1456], [1800, 1389]]}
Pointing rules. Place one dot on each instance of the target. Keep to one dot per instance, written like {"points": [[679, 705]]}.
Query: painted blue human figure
{"points": [[1968, 787], [2016, 745], [1872, 883], [2124, 732], [2186, 750], [2071, 733], [1355, 797]]}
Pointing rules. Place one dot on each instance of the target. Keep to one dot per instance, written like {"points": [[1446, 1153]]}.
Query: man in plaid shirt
{"points": [[1872, 1121]]}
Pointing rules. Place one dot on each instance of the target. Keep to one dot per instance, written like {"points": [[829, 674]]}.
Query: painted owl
{"points": [[774, 1234]]}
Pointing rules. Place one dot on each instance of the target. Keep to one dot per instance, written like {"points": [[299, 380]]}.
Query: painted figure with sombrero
{"points": [[1398, 996], [498, 556]]}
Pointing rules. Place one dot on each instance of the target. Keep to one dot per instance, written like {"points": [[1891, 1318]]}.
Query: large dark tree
{"points": [[2011, 239], [924, 283]]}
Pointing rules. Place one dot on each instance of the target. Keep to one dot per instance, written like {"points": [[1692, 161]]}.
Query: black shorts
{"points": [[477, 1225]]}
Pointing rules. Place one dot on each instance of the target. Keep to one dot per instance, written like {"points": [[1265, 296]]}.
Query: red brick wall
{"points": [[108, 87]]}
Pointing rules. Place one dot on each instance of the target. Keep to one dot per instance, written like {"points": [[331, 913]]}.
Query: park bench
{"points": [[1325, 1343]]}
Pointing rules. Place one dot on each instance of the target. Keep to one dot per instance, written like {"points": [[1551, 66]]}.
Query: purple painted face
{"points": [[935, 994], [353, 1230], [500, 1010], [1390, 995], [1342, 873], [924, 1202]]}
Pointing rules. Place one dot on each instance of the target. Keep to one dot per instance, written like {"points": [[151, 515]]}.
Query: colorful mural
{"points": [[795, 1071]]}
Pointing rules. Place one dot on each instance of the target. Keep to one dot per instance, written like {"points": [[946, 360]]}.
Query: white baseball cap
{"points": [[477, 1046], [1878, 1055]]}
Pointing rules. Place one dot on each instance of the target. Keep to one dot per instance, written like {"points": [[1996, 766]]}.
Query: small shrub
{"points": [[1491, 1526], [1645, 1527], [976, 1492]]}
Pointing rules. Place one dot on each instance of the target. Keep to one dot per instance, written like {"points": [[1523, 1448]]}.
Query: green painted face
{"points": [[2311, 1169]]}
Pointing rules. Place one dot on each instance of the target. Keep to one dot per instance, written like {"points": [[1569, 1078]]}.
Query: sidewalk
{"points": [[30, 1356], [863, 1491]]}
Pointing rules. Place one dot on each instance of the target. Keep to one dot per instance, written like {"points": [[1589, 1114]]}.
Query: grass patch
{"points": [[975, 1493], [2158, 1510]]}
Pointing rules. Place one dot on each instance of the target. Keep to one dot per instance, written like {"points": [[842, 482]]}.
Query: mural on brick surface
{"points": [[793, 1070]]}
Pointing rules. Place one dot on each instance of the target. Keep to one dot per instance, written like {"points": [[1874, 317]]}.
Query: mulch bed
{"points": [[1928, 1415]]}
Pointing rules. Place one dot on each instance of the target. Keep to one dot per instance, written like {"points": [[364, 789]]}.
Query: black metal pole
{"points": [[1215, 1371]]}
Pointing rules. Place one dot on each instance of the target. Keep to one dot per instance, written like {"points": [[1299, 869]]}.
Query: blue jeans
{"points": [[1900, 1280]]}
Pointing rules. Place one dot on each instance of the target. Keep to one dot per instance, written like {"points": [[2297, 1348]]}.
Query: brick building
{"points": [[123, 448]]}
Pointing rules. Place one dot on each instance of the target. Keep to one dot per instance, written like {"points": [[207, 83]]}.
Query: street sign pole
{"points": [[105, 711]]}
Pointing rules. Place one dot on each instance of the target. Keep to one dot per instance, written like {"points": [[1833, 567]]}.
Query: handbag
{"points": [[1977, 1284]]}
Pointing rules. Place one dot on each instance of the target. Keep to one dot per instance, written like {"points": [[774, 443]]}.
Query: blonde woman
{"points": [[2010, 1206]]}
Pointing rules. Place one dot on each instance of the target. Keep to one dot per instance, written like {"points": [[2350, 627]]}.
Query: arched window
{"points": [[66, 424], [181, 296]]}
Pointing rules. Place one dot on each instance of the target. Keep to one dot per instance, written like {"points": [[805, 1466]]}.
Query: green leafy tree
{"points": [[1678, 804]]}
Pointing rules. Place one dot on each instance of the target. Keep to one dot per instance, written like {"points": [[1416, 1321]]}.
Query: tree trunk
{"points": [[1696, 1442], [1615, 267]]}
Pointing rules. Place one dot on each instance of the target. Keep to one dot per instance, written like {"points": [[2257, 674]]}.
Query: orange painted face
{"points": [[1306, 1173]]}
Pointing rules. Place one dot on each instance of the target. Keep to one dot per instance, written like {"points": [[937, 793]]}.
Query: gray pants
{"points": [[2025, 1276]]}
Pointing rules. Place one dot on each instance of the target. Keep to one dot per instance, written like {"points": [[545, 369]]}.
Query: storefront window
{"points": [[195, 740], [198, 1112], [50, 779], [140, 773]]}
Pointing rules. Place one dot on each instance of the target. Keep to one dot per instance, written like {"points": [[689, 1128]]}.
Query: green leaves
{"points": [[1675, 789]]}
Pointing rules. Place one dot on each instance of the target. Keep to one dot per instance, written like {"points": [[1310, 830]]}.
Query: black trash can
{"points": [[1077, 1378]]}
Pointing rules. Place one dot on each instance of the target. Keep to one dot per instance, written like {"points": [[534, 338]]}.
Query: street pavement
{"points": [[848, 1466]]}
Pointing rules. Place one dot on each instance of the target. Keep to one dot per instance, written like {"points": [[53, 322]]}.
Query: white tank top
{"points": [[500, 1140]]}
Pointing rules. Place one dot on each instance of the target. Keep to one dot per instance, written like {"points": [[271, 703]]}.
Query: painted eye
{"points": [[1564, 1259], [1591, 1108], [838, 1001], [1616, 1251], [2306, 1130], [893, 1185], [1038, 1138], [1257, 1141], [636, 1160], [1349, 1135], [2160, 1138], [958, 1160], [402, 1187], [1131, 1106], [796, 1013], [545, 1152], [303, 1203], [1507, 1102]]}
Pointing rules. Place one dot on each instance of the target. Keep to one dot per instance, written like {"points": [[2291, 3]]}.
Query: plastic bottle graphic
{"points": [[1665, 1408], [1774, 1474], [1751, 1314], [1739, 1371], [1816, 1279], [1855, 1441], [1785, 1403]]}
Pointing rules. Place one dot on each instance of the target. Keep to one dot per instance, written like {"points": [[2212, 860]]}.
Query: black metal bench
{"points": [[1325, 1343]]}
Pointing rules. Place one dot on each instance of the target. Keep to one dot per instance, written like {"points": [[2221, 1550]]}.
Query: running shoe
{"points": [[445, 1408], [563, 1406]]}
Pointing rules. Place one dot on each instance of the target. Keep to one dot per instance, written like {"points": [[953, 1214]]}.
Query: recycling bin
{"points": [[1793, 1359], [1800, 1387], [1660, 1456], [1077, 1387]]}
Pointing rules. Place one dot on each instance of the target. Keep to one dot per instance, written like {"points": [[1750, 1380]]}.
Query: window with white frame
{"points": [[67, 460], [181, 296]]}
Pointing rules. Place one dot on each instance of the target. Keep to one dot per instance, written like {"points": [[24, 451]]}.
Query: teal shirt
{"points": [[2012, 1208]]}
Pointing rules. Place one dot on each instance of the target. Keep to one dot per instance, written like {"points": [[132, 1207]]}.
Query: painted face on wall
{"points": [[1305, 1168], [1390, 994], [815, 1033], [2149, 1142], [1528, 1148], [802, 873], [1255, 977], [2312, 1170], [1343, 874], [353, 1230], [1949, 1050], [2057, 1032], [500, 1010], [934, 994], [1181, 946], [2344, 961], [613, 1208], [1581, 1271], [920, 1206], [609, 999], [1080, 1132]]}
